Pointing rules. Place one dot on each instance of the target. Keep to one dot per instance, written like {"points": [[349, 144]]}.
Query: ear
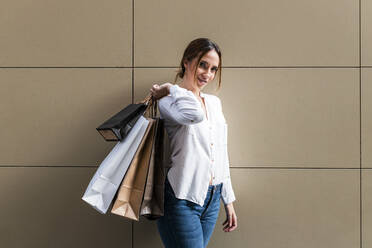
{"points": [[185, 63]]}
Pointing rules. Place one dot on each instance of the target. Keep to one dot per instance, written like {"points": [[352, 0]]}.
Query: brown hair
{"points": [[197, 49]]}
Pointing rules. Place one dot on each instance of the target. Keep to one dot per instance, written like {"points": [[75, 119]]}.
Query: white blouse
{"points": [[198, 145]]}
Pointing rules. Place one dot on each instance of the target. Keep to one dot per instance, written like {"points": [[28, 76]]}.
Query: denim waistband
{"points": [[215, 187]]}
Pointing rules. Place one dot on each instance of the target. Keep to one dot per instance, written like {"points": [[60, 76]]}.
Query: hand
{"points": [[158, 91], [231, 222]]}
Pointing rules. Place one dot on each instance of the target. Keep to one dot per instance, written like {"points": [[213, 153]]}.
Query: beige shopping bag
{"points": [[131, 191]]}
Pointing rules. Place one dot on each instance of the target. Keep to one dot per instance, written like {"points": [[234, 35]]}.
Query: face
{"points": [[206, 70]]}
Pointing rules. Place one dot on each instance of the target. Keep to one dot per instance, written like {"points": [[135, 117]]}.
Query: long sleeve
{"points": [[227, 193], [181, 107]]}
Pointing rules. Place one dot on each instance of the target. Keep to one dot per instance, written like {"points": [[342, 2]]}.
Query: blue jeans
{"points": [[186, 224]]}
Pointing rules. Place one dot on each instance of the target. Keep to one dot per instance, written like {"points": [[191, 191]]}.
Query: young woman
{"points": [[199, 175]]}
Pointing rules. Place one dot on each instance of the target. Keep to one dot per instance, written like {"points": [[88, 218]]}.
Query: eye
{"points": [[203, 64], [215, 69]]}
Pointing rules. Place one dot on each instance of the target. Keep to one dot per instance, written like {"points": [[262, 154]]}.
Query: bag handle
{"points": [[152, 106], [146, 100]]}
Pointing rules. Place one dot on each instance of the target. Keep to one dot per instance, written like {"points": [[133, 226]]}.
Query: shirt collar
{"points": [[202, 94]]}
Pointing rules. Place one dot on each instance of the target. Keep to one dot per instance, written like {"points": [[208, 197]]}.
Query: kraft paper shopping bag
{"points": [[131, 191]]}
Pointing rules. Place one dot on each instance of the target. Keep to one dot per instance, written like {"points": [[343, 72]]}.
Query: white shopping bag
{"points": [[107, 179]]}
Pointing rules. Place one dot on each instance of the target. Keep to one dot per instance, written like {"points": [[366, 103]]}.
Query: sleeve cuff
{"points": [[227, 192], [174, 90]]}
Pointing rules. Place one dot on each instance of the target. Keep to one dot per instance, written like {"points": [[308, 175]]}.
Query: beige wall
{"points": [[297, 90]]}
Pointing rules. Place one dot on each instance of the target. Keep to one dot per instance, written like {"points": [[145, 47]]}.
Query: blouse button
{"points": [[211, 144]]}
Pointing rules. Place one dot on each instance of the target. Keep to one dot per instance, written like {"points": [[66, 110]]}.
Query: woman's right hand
{"points": [[158, 91], [231, 222]]}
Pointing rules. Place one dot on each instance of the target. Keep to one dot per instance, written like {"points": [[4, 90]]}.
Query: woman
{"points": [[199, 175]]}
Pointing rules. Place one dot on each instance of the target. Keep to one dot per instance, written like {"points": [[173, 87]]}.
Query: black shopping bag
{"points": [[118, 126]]}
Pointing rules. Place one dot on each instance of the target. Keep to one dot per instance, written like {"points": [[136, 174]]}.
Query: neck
{"points": [[187, 85]]}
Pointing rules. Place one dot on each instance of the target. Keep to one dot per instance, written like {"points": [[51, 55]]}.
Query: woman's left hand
{"points": [[231, 222]]}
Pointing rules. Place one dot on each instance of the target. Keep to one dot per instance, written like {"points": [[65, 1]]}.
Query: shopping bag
{"points": [[130, 194], [152, 206], [118, 126], [106, 181]]}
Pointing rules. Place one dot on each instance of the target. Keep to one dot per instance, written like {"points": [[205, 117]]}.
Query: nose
{"points": [[208, 73]]}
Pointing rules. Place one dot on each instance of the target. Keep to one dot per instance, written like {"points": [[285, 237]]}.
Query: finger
{"points": [[234, 223], [226, 229], [225, 221], [233, 227], [227, 225], [230, 221], [229, 229]]}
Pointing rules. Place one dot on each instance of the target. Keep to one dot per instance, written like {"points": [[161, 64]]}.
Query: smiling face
{"points": [[206, 70]]}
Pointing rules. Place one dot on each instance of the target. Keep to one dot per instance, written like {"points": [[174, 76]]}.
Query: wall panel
{"points": [[250, 33], [65, 33], [49, 116], [42, 207]]}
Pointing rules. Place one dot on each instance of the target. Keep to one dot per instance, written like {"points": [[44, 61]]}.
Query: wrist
{"points": [[229, 205]]}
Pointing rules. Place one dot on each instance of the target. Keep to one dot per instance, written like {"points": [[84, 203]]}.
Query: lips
{"points": [[202, 81]]}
